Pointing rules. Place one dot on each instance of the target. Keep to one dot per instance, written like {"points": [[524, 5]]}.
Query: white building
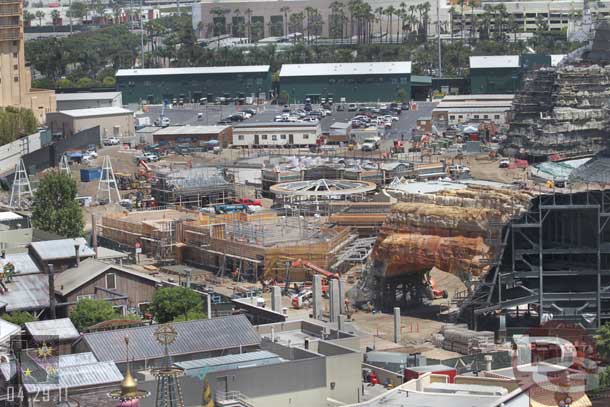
{"points": [[459, 109], [276, 134], [88, 100]]}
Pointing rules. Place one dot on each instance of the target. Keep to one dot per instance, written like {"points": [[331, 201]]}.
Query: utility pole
{"points": [[142, 33], [438, 32], [70, 11]]}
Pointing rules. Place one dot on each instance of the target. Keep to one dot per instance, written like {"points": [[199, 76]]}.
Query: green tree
{"points": [[16, 122], [89, 312], [63, 83], [28, 17], [77, 9], [19, 317], [55, 208], [84, 83], [39, 15], [109, 81], [176, 302], [602, 341]]}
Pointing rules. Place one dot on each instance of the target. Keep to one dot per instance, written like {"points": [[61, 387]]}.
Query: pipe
{"points": [[77, 252], [52, 303]]}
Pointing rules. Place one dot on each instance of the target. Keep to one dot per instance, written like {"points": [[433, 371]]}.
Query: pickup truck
{"points": [[112, 141]]}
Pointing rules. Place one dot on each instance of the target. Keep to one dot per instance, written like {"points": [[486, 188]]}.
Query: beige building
{"points": [[15, 78], [113, 121]]}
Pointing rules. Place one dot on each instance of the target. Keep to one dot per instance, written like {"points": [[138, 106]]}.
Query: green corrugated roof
{"points": [[421, 80]]}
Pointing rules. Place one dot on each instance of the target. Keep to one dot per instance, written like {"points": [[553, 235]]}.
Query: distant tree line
{"points": [[16, 122]]}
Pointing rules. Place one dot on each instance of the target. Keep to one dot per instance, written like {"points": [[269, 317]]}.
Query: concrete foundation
{"points": [[276, 298], [317, 297], [335, 300]]}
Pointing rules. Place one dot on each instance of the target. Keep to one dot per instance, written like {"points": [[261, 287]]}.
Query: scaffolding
{"points": [[192, 187], [554, 262], [21, 190], [107, 186]]}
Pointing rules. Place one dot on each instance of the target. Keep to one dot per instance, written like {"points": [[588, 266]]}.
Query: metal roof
{"points": [[64, 97], [190, 130], [481, 97], [202, 335], [27, 292], [193, 70], [237, 361], [277, 125], [340, 125], [8, 329], [68, 377], [74, 359], [23, 262], [495, 61], [5, 216], [62, 329], [61, 249], [353, 68], [95, 111], [71, 279]]}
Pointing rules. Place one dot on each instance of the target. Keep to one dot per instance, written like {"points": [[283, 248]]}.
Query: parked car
{"points": [[162, 122], [286, 109], [150, 157], [251, 111], [352, 107], [504, 163], [111, 141], [248, 201]]}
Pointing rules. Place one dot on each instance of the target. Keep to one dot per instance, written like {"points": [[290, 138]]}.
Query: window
{"points": [[264, 137], [111, 281], [404, 80], [497, 117], [85, 297], [452, 117], [305, 136], [283, 137], [460, 117], [15, 55], [143, 307], [120, 309], [240, 137], [485, 116], [16, 79], [274, 137], [476, 116]]}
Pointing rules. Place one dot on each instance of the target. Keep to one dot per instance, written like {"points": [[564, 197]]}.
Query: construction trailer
{"points": [[554, 264], [262, 245]]}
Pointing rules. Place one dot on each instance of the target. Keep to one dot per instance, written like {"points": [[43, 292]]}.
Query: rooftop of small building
{"points": [[275, 125], [61, 249], [28, 292], [96, 112], [61, 329], [346, 68], [64, 97], [193, 70], [189, 130], [494, 61]]}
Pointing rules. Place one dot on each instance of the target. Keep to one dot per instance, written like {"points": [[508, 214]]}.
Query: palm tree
{"points": [[380, 11], [352, 6], [40, 15], [285, 11], [296, 24], [390, 11], [335, 21], [249, 23], [451, 16], [402, 12], [462, 3]]}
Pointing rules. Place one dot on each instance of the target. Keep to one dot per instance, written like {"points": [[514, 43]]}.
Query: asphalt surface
{"points": [[211, 114]]}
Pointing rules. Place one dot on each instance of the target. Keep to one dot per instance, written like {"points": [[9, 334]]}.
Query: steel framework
{"points": [[554, 263]]}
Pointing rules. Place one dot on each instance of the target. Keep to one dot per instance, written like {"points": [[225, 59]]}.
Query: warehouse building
{"points": [[113, 121], [155, 85], [88, 100], [276, 134], [460, 109], [503, 73], [194, 135], [347, 82]]}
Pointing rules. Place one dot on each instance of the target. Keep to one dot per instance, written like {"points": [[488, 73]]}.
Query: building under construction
{"points": [[192, 187], [563, 112], [554, 264], [262, 245]]}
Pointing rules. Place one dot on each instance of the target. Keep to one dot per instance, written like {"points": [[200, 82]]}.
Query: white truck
{"points": [[371, 143]]}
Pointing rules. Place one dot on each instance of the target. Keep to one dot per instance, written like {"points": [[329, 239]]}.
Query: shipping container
{"points": [[90, 174]]}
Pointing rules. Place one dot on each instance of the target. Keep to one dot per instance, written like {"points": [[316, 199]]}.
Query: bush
{"points": [[19, 317]]}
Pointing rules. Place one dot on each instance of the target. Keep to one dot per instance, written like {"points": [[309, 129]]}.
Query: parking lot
{"points": [[195, 114]]}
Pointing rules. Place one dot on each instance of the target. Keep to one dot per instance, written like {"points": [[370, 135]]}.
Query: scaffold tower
{"points": [[64, 166], [108, 186], [21, 189]]}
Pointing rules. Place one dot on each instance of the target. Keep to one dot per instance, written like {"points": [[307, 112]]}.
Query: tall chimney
{"points": [[77, 250], [51, 291], [94, 233]]}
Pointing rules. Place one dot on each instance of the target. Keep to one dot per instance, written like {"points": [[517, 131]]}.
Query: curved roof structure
{"points": [[323, 187]]}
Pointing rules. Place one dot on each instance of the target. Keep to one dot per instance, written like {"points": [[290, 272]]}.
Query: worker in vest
{"points": [[9, 271], [4, 289]]}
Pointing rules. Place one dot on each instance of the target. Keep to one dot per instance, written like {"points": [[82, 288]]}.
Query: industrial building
{"points": [[194, 135], [276, 134], [461, 109], [156, 85], [15, 76], [113, 122], [88, 100], [503, 73], [551, 266], [347, 82]]}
